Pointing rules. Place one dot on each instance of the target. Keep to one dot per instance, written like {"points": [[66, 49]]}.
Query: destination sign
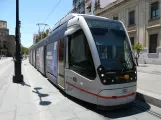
{"points": [[104, 24]]}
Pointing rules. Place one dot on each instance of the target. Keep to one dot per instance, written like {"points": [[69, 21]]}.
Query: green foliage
{"points": [[138, 48], [43, 35], [24, 50]]}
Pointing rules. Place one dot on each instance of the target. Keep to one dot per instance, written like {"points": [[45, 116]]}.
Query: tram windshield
{"points": [[112, 44]]}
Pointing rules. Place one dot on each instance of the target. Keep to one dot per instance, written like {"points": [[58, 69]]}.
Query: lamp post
{"points": [[18, 77]]}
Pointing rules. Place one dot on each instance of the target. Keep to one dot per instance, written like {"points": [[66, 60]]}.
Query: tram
{"points": [[89, 57]]}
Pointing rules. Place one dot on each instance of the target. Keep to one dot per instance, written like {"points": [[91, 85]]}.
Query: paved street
{"points": [[38, 99], [149, 78]]}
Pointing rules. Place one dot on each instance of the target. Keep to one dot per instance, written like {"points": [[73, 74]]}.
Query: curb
{"points": [[156, 101]]}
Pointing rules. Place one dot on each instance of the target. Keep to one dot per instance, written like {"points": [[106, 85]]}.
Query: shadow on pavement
{"points": [[109, 113], [24, 84], [44, 103], [125, 111]]}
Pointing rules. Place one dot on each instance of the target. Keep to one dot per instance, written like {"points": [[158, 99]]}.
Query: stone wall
{"points": [[10, 44]]}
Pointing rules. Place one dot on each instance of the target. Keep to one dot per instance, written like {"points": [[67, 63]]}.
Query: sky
{"points": [[31, 13]]}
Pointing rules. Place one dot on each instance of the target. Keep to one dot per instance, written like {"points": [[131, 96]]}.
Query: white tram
{"points": [[90, 58]]}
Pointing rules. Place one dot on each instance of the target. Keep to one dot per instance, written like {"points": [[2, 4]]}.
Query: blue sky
{"points": [[31, 13]]}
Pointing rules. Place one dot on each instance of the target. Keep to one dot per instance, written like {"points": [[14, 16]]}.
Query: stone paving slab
{"points": [[149, 68], [38, 99], [149, 84], [7, 115], [89, 115], [4, 79], [60, 105]]}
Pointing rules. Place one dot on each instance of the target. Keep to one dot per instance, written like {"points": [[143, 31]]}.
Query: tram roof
{"points": [[67, 18], [72, 15]]}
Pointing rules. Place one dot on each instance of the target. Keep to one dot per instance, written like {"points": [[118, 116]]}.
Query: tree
{"points": [[138, 48], [43, 35], [24, 50]]}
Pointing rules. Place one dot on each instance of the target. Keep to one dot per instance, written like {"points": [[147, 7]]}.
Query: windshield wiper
{"points": [[126, 62]]}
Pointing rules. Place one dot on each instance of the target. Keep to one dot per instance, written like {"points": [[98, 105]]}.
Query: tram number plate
{"points": [[124, 90]]}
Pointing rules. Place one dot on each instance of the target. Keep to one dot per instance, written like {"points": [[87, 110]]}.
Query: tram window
{"points": [[80, 58], [61, 56]]}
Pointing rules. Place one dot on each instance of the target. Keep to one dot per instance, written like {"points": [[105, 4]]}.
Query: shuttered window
{"points": [[153, 43]]}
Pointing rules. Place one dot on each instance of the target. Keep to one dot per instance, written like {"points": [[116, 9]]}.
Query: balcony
{"points": [[154, 23], [131, 28]]}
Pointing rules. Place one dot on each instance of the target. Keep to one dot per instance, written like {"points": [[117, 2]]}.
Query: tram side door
{"points": [[61, 63]]}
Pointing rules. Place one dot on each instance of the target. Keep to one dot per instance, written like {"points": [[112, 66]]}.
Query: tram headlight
{"points": [[100, 69], [131, 78], [135, 75], [102, 75], [104, 81]]}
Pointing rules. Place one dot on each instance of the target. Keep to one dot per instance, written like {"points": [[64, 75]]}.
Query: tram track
{"points": [[148, 111]]}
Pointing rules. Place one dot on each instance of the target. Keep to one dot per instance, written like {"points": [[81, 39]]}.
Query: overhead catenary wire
{"points": [[52, 10]]}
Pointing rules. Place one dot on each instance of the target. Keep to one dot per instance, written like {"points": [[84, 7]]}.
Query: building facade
{"points": [[7, 42], [79, 6], [35, 37], [3, 24], [143, 23], [88, 6]]}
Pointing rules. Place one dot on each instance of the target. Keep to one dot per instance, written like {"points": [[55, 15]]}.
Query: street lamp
{"points": [[18, 77], [40, 34]]}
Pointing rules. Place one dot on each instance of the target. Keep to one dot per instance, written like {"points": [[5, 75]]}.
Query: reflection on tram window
{"points": [[80, 56], [112, 45]]}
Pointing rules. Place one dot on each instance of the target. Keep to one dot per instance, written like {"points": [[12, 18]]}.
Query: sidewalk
{"points": [[38, 99], [149, 83], [149, 68]]}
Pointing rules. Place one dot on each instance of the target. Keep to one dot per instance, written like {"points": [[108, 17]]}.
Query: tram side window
{"points": [[80, 58], [61, 56]]}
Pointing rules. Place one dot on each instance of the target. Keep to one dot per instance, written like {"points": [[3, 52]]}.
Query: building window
{"points": [[153, 43], [132, 18], [132, 41], [155, 10], [82, 12], [89, 9], [80, 58], [115, 18]]}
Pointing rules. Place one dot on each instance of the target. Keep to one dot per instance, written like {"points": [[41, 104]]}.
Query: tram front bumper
{"points": [[116, 97]]}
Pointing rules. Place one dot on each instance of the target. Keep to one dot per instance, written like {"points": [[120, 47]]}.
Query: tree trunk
{"points": [[137, 62], [137, 57]]}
